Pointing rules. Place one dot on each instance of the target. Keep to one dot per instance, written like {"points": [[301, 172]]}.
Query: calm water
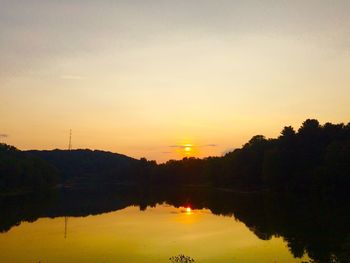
{"points": [[131, 235], [130, 226]]}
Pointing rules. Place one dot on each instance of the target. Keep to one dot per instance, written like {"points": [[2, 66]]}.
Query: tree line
{"points": [[315, 157], [21, 172]]}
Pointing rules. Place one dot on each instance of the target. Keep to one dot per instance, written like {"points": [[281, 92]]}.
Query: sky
{"points": [[147, 78]]}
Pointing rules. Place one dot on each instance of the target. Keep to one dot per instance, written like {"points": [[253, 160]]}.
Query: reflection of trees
{"points": [[28, 208], [308, 224]]}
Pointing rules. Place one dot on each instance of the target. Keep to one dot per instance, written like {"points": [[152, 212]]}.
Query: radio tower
{"points": [[70, 140], [66, 218]]}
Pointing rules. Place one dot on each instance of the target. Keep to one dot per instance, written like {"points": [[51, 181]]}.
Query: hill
{"points": [[22, 172], [315, 157], [90, 166]]}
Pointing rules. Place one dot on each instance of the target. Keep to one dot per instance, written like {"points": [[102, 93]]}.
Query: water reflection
{"points": [[318, 227]]}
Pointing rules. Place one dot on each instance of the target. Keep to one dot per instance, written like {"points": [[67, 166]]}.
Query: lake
{"points": [[126, 225]]}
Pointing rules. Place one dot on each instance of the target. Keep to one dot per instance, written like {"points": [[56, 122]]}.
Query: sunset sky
{"points": [[150, 78]]}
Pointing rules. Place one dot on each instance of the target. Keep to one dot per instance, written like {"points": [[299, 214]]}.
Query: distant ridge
{"points": [[89, 165]]}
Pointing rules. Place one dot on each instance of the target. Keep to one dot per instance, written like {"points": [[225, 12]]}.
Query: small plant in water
{"points": [[181, 259]]}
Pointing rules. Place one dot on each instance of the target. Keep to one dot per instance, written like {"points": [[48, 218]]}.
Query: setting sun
{"points": [[187, 148]]}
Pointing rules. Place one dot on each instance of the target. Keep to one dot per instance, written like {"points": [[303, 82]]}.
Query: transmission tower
{"points": [[70, 140], [66, 217]]}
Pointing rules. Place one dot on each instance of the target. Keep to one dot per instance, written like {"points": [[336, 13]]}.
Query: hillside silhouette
{"points": [[87, 166], [313, 158], [21, 172]]}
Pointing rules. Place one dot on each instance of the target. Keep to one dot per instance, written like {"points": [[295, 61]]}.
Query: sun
{"points": [[187, 148]]}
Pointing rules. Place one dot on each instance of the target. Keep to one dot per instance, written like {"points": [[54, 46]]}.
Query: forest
{"points": [[314, 158], [21, 172]]}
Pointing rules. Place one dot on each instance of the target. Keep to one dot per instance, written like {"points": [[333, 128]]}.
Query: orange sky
{"points": [[139, 78]]}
